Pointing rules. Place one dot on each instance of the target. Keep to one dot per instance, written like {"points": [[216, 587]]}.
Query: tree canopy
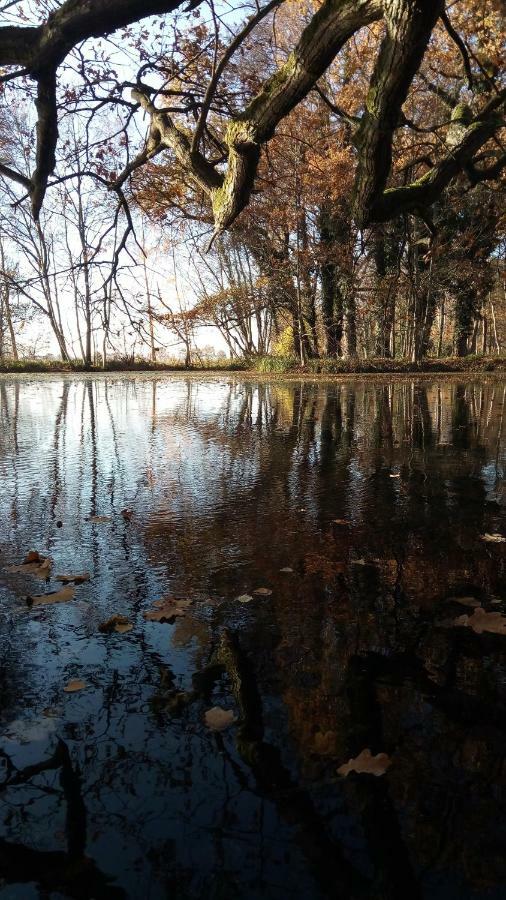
{"points": [[216, 133]]}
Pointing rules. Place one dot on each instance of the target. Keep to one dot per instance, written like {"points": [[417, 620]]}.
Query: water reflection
{"points": [[375, 496]]}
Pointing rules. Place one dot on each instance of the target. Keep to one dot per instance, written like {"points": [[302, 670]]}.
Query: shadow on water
{"points": [[362, 509]]}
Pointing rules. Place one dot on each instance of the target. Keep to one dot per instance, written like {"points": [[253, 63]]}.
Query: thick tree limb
{"points": [[46, 46], [426, 190], [409, 27], [40, 50], [220, 68]]}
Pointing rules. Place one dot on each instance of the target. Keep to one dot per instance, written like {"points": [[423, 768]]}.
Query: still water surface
{"points": [[120, 790]]}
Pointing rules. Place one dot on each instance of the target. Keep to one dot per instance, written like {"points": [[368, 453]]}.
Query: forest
{"points": [[289, 184]]}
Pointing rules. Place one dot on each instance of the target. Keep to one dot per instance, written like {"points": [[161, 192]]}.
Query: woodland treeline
{"points": [[310, 179]]}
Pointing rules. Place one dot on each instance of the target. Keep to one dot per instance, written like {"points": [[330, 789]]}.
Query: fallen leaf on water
{"points": [[99, 520], [75, 684], [166, 610], [464, 601], [244, 598], [116, 623], [287, 570], [262, 592], [33, 564], [481, 621], [340, 522], [493, 538], [324, 743], [217, 719], [366, 763], [61, 596], [127, 514], [32, 556], [77, 579], [397, 475]]}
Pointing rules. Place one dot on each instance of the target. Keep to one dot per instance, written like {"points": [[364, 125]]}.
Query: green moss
{"points": [[462, 113]]}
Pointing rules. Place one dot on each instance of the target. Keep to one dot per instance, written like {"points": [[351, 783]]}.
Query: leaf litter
{"points": [[62, 596], [80, 578], [75, 684], [34, 563], [120, 624], [480, 621], [218, 719], [167, 609], [367, 764]]}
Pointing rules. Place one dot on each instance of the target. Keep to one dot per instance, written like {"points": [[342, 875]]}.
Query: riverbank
{"points": [[277, 366]]}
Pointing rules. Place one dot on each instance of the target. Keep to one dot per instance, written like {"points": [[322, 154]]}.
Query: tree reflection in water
{"points": [[376, 496]]}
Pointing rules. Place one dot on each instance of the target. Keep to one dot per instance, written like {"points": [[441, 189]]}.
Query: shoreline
{"points": [[249, 375], [274, 367]]}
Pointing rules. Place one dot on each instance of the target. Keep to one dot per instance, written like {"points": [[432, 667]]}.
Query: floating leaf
{"points": [[127, 514], [217, 719], [32, 556], [75, 684], [33, 564], [262, 592], [481, 621], [99, 520], [464, 601], [493, 538], [116, 623], [166, 610], [340, 522], [366, 763], [244, 598], [61, 596], [395, 475], [77, 579], [287, 570]]}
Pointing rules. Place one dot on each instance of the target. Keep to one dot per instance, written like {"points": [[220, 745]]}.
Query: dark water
{"points": [[120, 789]]}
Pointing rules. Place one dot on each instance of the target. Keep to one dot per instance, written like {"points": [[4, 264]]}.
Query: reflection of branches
{"points": [[70, 872]]}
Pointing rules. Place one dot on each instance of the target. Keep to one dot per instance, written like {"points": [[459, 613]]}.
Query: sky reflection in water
{"points": [[229, 482]]}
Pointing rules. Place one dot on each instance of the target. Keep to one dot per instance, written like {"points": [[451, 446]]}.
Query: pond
{"points": [[370, 515]]}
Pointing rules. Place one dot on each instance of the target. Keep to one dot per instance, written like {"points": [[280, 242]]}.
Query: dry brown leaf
{"points": [[244, 598], [340, 522], [464, 601], [75, 684], [61, 596], [366, 763], [127, 514], [99, 520], [77, 579], [493, 538], [32, 556], [33, 564], [166, 610], [480, 621], [217, 719], [262, 592], [115, 623]]}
